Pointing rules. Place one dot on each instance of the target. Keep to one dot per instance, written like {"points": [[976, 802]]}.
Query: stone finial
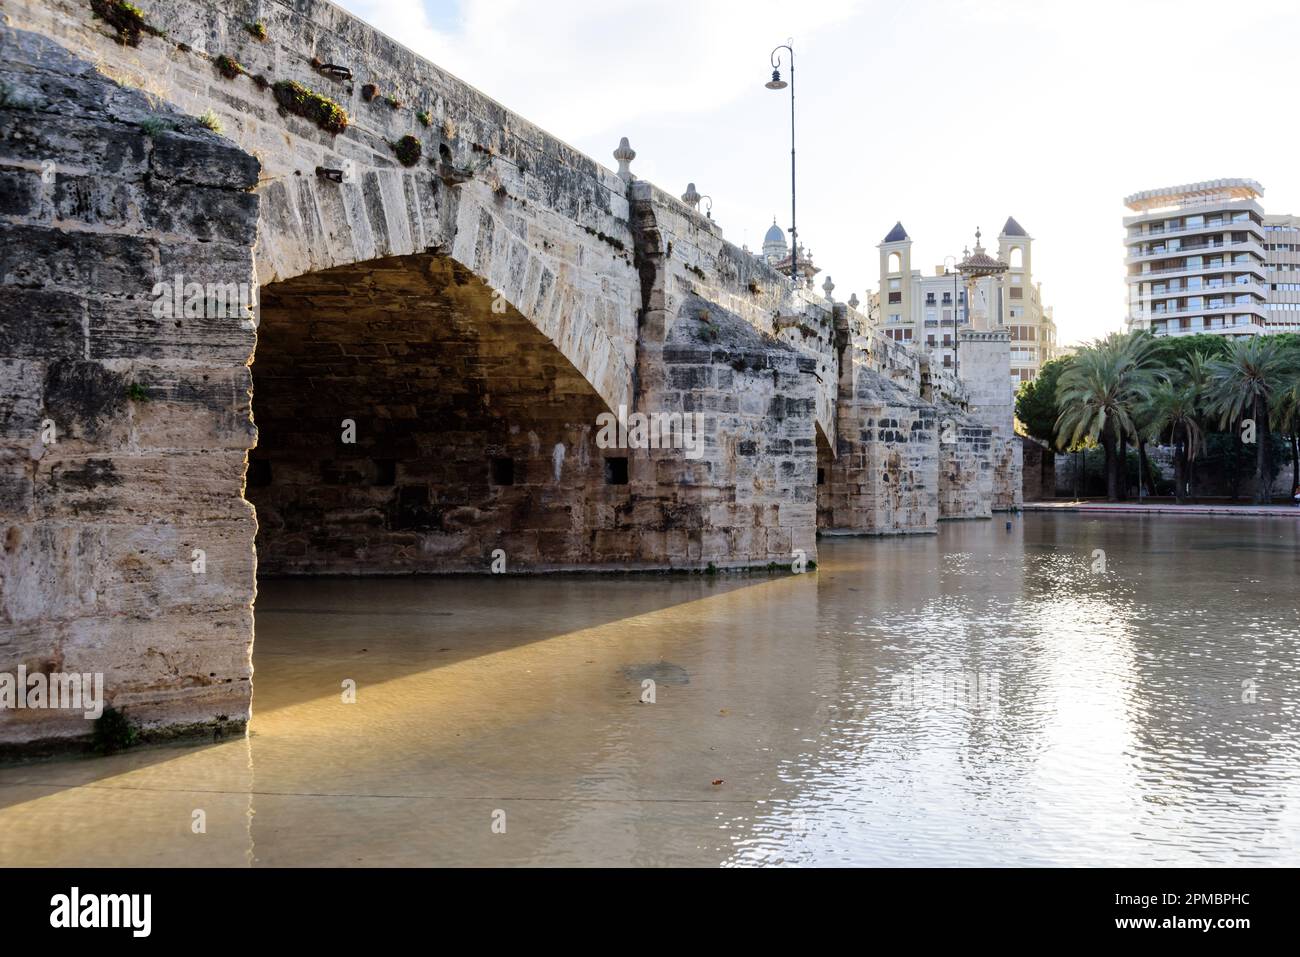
{"points": [[691, 197], [828, 287], [853, 300], [625, 155]]}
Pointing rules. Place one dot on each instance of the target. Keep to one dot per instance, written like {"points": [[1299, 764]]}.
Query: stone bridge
{"points": [[282, 297]]}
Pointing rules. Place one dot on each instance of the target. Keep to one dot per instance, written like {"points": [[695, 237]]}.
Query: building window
{"points": [[895, 297], [1017, 292]]}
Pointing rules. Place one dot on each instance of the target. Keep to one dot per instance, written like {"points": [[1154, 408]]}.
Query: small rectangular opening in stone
{"points": [[503, 471], [821, 476], [385, 471], [616, 470]]}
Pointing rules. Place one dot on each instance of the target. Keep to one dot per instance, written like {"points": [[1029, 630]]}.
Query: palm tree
{"points": [[1173, 409], [1243, 384], [1195, 372], [1288, 416], [1098, 393]]}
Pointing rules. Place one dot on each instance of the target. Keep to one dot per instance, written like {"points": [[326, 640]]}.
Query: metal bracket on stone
{"points": [[335, 71], [333, 175]]}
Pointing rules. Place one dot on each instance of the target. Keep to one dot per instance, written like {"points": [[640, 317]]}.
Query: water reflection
{"points": [[841, 715]]}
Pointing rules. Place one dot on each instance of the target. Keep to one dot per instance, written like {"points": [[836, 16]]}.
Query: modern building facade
{"points": [[929, 310], [1205, 258]]}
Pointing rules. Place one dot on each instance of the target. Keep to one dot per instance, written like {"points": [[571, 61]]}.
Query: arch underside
{"points": [[470, 431]]}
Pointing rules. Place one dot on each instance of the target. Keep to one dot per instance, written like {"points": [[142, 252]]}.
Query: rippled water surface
{"points": [[979, 697]]}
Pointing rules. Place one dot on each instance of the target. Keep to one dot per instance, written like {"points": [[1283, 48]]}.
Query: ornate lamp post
{"points": [[776, 83], [976, 266]]}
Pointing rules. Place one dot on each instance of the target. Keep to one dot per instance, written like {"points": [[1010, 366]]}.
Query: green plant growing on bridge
{"points": [[113, 732], [210, 120], [137, 393], [408, 150], [301, 101], [257, 29], [424, 118], [393, 101], [126, 19], [152, 126], [228, 66]]}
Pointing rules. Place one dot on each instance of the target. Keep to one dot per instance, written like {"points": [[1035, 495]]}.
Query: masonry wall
{"points": [[531, 216], [966, 466], [985, 365], [885, 476], [122, 434]]}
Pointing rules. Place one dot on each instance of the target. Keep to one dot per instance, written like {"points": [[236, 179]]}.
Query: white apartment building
{"points": [[927, 310], [1204, 258]]}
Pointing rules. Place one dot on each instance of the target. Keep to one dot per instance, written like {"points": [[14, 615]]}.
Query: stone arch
{"points": [[310, 224], [409, 421], [895, 263], [1017, 257]]}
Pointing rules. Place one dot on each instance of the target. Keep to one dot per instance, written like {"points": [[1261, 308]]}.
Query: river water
{"points": [[1076, 690]]}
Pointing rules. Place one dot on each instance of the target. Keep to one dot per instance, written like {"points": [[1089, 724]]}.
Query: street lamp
{"points": [[776, 83]]}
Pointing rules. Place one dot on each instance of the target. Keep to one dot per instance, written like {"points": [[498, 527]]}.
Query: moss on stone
{"points": [[256, 29], [393, 101], [126, 19], [137, 393], [424, 118], [408, 150], [309, 104]]}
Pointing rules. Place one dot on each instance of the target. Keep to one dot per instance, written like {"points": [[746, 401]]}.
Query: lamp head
{"points": [[776, 83]]}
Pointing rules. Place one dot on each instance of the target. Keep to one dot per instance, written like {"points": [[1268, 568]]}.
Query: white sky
{"points": [[945, 114]]}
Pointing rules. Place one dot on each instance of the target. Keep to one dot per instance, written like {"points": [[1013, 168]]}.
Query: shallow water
{"points": [[976, 697]]}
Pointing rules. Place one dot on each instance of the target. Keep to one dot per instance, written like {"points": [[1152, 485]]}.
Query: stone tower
{"points": [[895, 277]]}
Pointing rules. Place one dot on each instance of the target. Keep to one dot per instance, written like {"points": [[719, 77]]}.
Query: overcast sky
{"points": [[944, 114]]}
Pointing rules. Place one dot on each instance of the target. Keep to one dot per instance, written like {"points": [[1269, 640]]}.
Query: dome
{"points": [[774, 235]]}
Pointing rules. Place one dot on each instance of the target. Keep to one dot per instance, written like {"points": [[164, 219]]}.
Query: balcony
{"points": [[1257, 268], [1136, 255], [1237, 329], [1157, 315], [1207, 290], [1247, 225]]}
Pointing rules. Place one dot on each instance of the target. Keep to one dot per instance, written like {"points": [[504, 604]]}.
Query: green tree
{"points": [[1172, 409], [1098, 394], [1243, 385], [1036, 407]]}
